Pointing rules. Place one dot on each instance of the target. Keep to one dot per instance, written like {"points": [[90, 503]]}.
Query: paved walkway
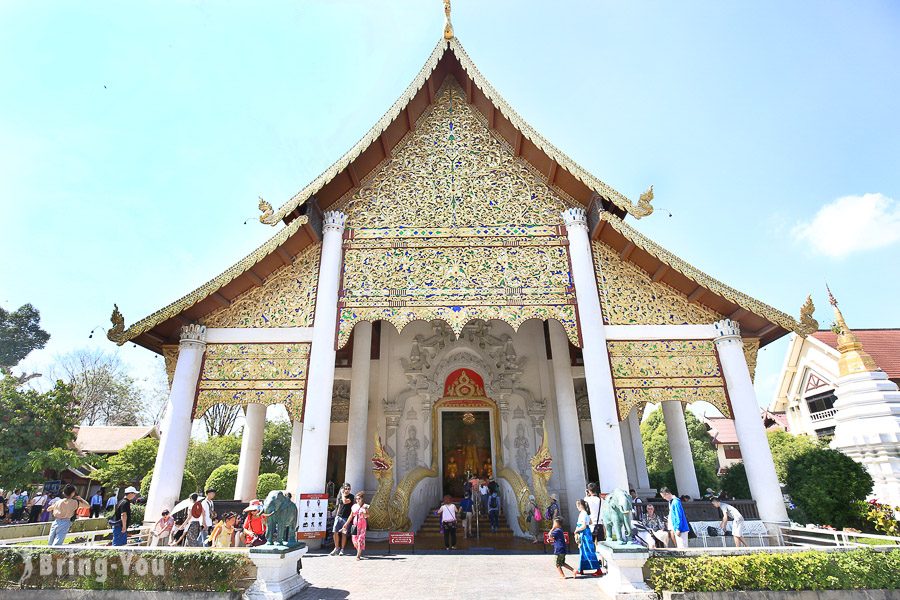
{"points": [[438, 576]]}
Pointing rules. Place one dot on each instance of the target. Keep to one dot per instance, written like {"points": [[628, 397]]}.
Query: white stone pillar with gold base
{"points": [[168, 472], [293, 474], [320, 383], [251, 452], [597, 370], [358, 418], [640, 458], [757, 456], [680, 449]]}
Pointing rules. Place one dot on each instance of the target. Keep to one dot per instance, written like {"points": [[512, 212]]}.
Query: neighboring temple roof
{"points": [[883, 345], [110, 439], [374, 149], [722, 431]]}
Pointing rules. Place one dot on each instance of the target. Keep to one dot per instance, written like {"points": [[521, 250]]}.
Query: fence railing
{"points": [[823, 415], [817, 537]]}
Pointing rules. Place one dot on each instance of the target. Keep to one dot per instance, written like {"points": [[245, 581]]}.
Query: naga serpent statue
{"points": [[389, 508], [541, 470]]}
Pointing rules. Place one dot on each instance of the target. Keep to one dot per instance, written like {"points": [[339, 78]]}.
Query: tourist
{"points": [[592, 502], [222, 535], [20, 499], [447, 513], [485, 493], [534, 519], [209, 515], [194, 522], [553, 512], [3, 508], [339, 497], [178, 531], [122, 517], [48, 507], [359, 518], [678, 523], [585, 540], [737, 521], [96, 504], [254, 526], [162, 530], [494, 512], [64, 512], [111, 503], [341, 514], [637, 505], [465, 509], [655, 526], [559, 547], [37, 507]]}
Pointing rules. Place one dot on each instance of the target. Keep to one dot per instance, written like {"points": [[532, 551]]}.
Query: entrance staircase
{"points": [[431, 529]]}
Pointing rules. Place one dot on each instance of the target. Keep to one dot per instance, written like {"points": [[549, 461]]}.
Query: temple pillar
{"points": [[757, 456], [640, 458], [251, 452], [597, 370], [320, 383], [570, 433], [168, 471], [358, 420], [628, 450], [293, 474], [680, 449]]}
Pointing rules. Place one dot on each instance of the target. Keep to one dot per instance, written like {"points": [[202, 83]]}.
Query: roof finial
{"points": [[448, 26], [854, 358]]}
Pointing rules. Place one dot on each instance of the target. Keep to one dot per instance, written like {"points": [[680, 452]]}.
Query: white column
{"points": [[680, 449], [358, 419], [628, 450], [597, 371], [569, 430], [293, 474], [757, 455], [251, 452], [637, 443], [165, 486], [320, 383]]}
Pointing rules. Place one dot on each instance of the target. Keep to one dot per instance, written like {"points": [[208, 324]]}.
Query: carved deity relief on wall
{"points": [[412, 448], [630, 297], [287, 298], [340, 402], [522, 444]]}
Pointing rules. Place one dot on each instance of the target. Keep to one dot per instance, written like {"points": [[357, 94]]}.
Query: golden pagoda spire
{"points": [[853, 358], [448, 26]]}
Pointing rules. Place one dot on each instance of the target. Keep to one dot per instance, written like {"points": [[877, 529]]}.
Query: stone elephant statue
{"points": [[616, 515], [281, 522]]}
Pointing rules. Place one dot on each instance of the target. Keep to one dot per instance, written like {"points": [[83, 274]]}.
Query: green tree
{"points": [[659, 459], [20, 333], [826, 486], [131, 464], [204, 457], [734, 481], [785, 448], [276, 448], [106, 393], [267, 483], [223, 479], [32, 422]]}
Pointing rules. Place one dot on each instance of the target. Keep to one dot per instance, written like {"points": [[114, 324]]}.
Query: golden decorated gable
{"points": [[630, 297], [286, 299]]}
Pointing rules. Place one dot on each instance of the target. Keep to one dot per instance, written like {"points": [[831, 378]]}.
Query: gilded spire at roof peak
{"points": [[448, 26], [854, 358]]}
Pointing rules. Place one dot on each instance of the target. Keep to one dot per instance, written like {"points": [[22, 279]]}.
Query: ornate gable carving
{"points": [[286, 299], [630, 297]]}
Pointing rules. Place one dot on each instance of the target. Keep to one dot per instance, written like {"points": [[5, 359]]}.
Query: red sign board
{"points": [[401, 537], [314, 496]]}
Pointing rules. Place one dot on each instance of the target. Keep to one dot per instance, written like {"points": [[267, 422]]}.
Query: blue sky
{"points": [[135, 137]]}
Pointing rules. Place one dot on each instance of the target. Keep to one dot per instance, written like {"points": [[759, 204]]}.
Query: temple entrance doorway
{"points": [[465, 448]]}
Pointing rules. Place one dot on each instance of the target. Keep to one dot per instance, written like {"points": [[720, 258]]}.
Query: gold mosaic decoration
{"points": [[630, 297], [455, 228], [170, 355], [241, 374], [286, 299], [663, 370], [751, 351]]}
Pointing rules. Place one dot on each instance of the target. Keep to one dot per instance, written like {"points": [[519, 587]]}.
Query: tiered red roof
{"points": [[883, 345]]}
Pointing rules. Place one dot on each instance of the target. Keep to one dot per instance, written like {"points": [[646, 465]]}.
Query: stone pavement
{"points": [[436, 576]]}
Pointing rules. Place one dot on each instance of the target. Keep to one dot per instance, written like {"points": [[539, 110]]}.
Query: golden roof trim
{"points": [[214, 284], [638, 210], [711, 283]]}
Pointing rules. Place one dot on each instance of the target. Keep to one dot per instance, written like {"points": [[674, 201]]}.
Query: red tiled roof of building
{"points": [[721, 429], [883, 345]]}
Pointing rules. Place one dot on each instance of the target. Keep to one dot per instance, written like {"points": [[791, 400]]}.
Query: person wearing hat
{"points": [[122, 517], [553, 510], [254, 525], [162, 530]]}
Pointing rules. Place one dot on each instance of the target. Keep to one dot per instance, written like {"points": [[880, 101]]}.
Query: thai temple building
{"points": [[455, 296]]}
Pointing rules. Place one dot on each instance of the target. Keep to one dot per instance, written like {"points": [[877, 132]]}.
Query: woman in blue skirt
{"points": [[585, 539]]}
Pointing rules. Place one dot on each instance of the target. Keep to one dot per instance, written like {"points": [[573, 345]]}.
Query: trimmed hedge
{"points": [[201, 571], [223, 479], [813, 570], [267, 483], [188, 484]]}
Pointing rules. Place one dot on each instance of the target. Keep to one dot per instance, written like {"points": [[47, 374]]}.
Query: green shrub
{"points": [[188, 485], [223, 480], [815, 570], [879, 518], [267, 483], [826, 485], [204, 571], [734, 481]]}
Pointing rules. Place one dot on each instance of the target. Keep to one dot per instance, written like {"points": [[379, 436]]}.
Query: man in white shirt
{"points": [[209, 513], [593, 502], [37, 507]]}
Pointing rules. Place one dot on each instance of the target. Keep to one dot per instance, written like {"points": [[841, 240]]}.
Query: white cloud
{"points": [[851, 224]]}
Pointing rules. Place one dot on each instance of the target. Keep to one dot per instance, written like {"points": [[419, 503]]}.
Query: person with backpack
{"points": [[194, 522], [494, 512], [20, 499], [534, 519], [553, 512]]}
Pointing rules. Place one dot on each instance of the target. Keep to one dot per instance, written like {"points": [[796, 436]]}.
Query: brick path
{"points": [[436, 576]]}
